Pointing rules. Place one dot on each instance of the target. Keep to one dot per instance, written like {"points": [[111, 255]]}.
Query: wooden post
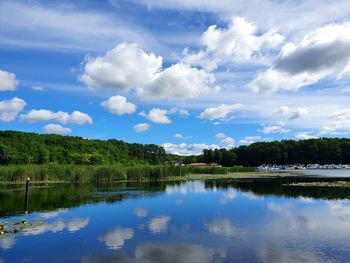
{"points": [[26, 198]]}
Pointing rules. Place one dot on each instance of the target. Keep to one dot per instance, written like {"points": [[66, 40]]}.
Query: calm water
{"points": [[215, 221], [323, 172]]}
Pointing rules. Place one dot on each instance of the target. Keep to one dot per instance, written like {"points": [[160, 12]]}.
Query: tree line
{"points": [[321, 151], [30, 148]]}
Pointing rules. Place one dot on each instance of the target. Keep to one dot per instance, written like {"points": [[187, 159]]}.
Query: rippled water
{"points": [[216, 221]]}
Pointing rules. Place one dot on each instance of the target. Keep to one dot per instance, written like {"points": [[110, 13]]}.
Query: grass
{"points": [[106, 173]]}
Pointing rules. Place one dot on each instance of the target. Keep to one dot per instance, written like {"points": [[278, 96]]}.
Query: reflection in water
{"points": [[72, 225], [188, 187], [178, 253], [228, 196], [140, 212], [212, 221], [222, 226], [159, 224], [116, 238], [7, 242]]}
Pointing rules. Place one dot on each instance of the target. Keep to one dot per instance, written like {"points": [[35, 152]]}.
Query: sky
{"points": [[184, 74]]}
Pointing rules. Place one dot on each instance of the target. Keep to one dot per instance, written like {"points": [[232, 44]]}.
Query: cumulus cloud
{"points": [[142, 127], [187, 149], [292, 113], [8, 81], [322, 53], [250, 139], [56, 129], [76, 117], [116, 238], [225, 140], [239, 41], [118, 105], [157, 115], [220, 136], [9, 109], [228, 141], [269, 129], [127, 67], [159, 224], [179, 111], [221, 112]]}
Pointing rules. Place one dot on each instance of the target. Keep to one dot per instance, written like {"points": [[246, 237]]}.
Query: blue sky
{"points": [[187, 75]]}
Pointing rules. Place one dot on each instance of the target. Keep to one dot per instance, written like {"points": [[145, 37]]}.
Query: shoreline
{"points": [[243, 175]]}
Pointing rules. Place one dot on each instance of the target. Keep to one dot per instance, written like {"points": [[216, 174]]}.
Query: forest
{"points": [[321, 151], [30, 148]]}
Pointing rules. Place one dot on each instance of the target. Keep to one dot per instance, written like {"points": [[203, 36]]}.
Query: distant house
{"points": [[178, 163]]}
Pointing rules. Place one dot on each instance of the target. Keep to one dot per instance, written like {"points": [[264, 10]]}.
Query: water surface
{"points": [[196, 221]]}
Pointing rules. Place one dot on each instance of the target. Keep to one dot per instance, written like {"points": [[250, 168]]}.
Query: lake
{"points": [[194, 221]]}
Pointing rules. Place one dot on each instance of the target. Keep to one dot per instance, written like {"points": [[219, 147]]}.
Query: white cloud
{"points": [[268, 129], [221, 112], [322, 53], [118, 105], [159, 224], [142, 127], [250, 139], [220, 136], [37, 88], [228, 141], [238, 42], [8, 81], [116, 238], [56, 129], [292, 113], [303, 136], [76, 117], [181, 112], [64, 27], [9, 109], [181, 136], [128, 67], [187, 149], [338, 121], [157, 115]]}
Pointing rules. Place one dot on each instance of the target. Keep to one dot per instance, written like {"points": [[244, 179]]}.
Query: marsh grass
{"points": [[105, 173]]}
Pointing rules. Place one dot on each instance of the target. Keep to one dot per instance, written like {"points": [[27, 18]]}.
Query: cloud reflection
{"points": [[72, 225], [188, 187], [7, 242], [116, 238], [140, 212], [222, 227], [159, 224], [178, 253]]}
